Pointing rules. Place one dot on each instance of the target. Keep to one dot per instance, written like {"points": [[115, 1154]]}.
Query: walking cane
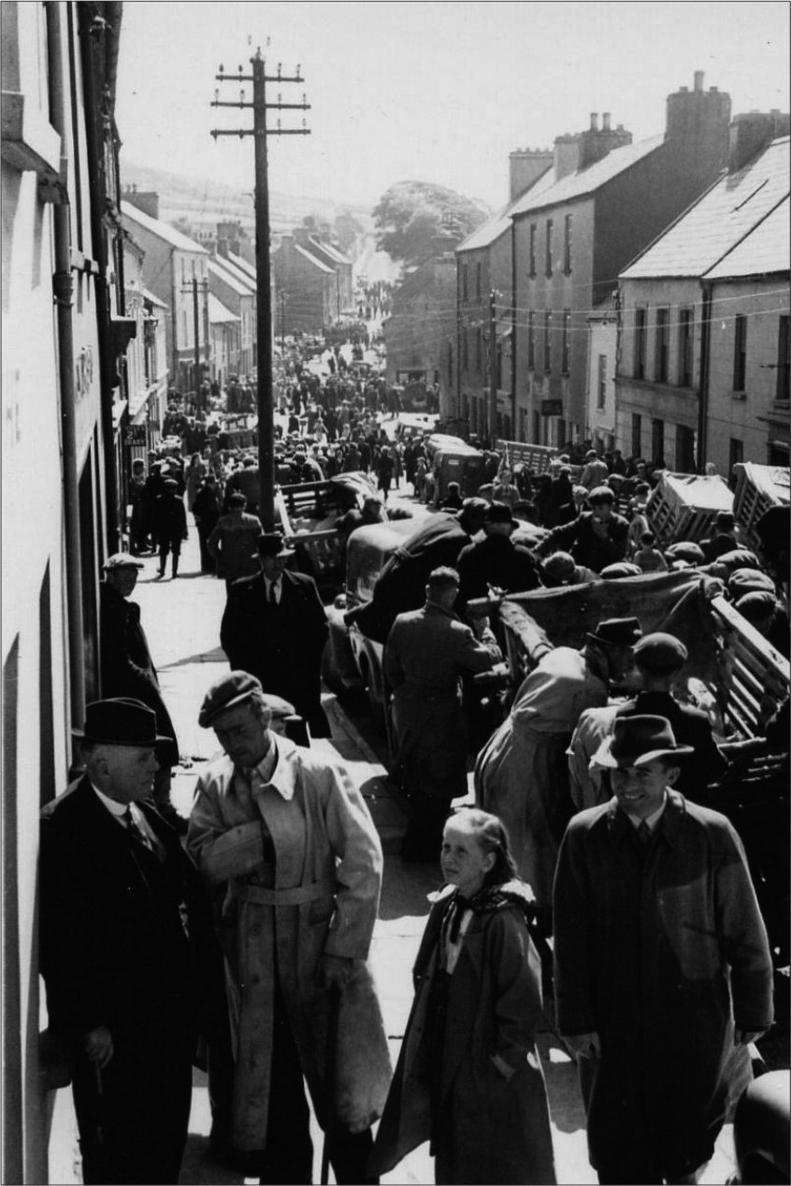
{"points": [[330, 1064]]}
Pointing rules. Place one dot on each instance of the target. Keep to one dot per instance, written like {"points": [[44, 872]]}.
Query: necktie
{"points": [[140, 833], [273, 595], [644, 836]]}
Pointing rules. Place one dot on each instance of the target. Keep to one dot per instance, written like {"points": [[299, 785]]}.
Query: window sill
{"points": [[30, 143]]}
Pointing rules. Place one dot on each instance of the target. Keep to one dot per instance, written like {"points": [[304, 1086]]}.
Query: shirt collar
{"points": [[283, 775], [116, 809], [651, 820]]}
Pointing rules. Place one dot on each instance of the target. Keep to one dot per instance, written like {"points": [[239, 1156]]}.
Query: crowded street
{"points": [[396, 594], [182, 620]]}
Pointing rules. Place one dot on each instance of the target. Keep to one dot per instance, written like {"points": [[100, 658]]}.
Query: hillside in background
{"points": [[207, 202]]}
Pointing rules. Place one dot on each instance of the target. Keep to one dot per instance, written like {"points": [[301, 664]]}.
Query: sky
{"points": [[437, 92]]}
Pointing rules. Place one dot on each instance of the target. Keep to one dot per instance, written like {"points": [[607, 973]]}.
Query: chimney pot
{"points": [[594, 121], [605, 121], [712, 90], [683, 90], [698, 80]]}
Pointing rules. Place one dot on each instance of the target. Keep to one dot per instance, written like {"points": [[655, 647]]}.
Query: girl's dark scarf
{"points": [[488, 899]]}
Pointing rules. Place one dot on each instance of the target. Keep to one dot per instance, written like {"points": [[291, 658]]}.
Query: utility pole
{"points": [[492, 370], [194, 286], [260, 131]]}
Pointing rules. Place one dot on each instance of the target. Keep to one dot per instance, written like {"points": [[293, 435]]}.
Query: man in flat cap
{"points": [[522, 772], [659, 660], [596, 538], [127, 668], [275, 627], [293, 863], [125, 938], [663, 973]]}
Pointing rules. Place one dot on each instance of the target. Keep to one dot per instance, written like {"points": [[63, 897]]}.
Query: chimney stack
{"points": [[698, 80], [594, 121], [147, 201], [526, 165], [605, 122]]}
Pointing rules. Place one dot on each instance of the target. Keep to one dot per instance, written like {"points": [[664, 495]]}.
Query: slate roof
{"points": [[312, 259], [218, 313], [227, 277], [154, 300], [491, 230], [719, 220], [162, 229], [766, 249], [549, 192], [328, 250], [243, 265], [232, 269]]}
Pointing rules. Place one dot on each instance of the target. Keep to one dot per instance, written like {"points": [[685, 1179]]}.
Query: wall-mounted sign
{"points": [[552, 407], [83, 372], [136, 434]]}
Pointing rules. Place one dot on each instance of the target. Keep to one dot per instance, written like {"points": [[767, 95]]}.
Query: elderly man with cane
{"points": [[126, 945], [293, 862]]}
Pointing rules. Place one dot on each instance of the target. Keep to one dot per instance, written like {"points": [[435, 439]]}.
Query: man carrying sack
{"points": [[293, 862]]}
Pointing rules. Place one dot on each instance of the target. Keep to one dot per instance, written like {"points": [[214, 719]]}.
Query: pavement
{"points": [[182, 622]]}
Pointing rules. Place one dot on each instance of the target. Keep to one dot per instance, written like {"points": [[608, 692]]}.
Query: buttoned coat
{"points": [[426, 653], [490, 1129], [280, 646], [661, 955], [327, 876]]}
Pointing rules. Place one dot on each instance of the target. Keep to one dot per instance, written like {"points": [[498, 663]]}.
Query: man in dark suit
{"points": [[274, 626], [124, 939]]}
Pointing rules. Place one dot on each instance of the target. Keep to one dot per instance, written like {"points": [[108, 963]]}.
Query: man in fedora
{"points": [[274, 626], [522, 772], [663, 973], [659, 659], [293, 863], [127, 668], [496, 560], [125, 936]]}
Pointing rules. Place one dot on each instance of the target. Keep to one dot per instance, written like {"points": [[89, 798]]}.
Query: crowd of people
{"points": [[585, 874]]}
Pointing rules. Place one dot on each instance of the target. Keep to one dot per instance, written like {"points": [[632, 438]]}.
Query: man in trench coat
{"points": [[293, 863], [663, 973]]}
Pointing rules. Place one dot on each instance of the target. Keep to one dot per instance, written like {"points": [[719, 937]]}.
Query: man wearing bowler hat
{"points": [[293, 863], [125, 938], [663, 973], [274, 626]]}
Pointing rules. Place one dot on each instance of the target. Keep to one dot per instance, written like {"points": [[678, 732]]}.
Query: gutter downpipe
{"points": [[514, 425], [703, 395], [107, 361], [62, 294]]}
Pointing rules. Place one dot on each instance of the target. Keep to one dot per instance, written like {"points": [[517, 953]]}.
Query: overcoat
{"points": [[427, 651], [661, 956], [277, 918], [521, 774], [126, 942], [491, 1129], [126, 665], [281, 646], [496, 561]]}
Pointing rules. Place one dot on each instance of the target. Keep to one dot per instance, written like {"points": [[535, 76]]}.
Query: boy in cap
{"points": [[170, 525], [293, 863], [596, 538], [663, 973]]}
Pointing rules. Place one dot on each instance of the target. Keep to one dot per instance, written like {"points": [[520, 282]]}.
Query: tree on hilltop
{"points": [[411, 215]]}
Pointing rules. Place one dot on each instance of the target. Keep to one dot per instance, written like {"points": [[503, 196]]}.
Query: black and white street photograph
{"points": [[396, 514]]}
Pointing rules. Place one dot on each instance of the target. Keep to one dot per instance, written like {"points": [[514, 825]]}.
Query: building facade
{"points": [[175, 270], [703, 336], [603, 201], [64, 392], [233, 288], [306, 289], [420, 332]]}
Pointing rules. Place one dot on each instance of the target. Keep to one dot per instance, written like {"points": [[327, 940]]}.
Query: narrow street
{"points": [[182, 621]]}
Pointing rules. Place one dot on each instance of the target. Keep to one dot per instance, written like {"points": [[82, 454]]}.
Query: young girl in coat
{"points": [[469, 1077]]}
